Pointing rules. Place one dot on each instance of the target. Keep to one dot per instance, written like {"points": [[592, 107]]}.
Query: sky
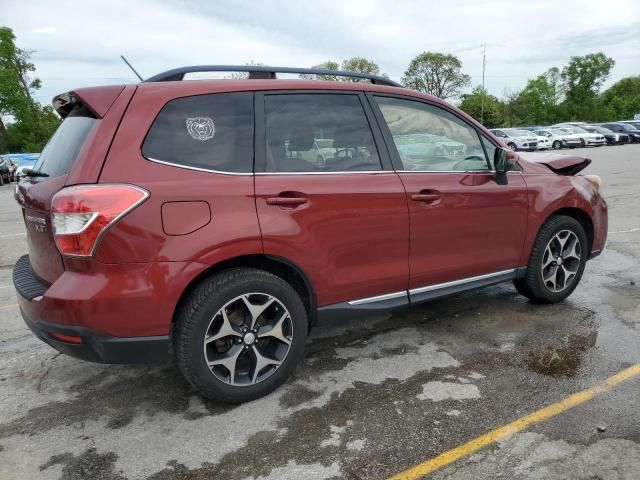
{"points": [[79, 43]]}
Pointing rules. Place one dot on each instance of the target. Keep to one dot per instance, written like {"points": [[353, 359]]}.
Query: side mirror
{"points": [[502, 161]]}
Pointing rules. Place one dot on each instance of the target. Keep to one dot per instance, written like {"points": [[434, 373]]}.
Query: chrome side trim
{"points": [[378, 298], [198, 169], [454, 283]]}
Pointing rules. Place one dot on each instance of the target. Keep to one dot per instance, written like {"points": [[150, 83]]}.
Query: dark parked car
{"points": [[634, 134], [612, 137], [7, 170], [185, 218]]}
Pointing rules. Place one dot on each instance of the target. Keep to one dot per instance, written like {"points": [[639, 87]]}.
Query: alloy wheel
{"points": [[561, 260], [248, 339]]}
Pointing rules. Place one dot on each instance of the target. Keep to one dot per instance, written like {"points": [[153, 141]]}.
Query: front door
{"points": [[324, 200], [463, 224]]}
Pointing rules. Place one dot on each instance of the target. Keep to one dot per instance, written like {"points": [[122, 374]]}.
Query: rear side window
{"points": [[60, 153], [211, 132], [318, 133]]}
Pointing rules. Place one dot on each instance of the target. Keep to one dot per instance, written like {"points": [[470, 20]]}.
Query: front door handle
{"points": [[287, 201], [426, 196]]}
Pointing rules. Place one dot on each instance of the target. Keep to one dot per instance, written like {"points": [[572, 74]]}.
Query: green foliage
{"points": [[32, 124], [537, 103], [583, 77], [436, 74], [622, 99], [483, 107], [354, 64]]}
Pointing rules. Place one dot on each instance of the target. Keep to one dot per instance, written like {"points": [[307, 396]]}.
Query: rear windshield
{"points": [[61, 151]]}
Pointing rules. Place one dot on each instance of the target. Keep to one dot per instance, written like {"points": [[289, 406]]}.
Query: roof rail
{"points": [[260, 71]]}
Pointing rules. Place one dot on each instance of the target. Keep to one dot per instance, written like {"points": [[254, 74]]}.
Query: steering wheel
{"points": [[472, 159]]}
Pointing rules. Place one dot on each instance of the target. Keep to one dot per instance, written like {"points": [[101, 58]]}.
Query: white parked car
{"points": [[588, 138], [517, 139], [560, 139], [543, 142]]}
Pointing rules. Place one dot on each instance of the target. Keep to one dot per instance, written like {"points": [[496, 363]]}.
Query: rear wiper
{"points": [[34, 173]]}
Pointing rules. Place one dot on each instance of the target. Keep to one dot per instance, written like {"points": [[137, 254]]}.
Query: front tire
{"points": [[557, 261], [557, 145], [512, 146], [240, 334]]}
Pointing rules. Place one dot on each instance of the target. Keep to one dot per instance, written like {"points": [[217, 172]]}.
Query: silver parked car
{"points": [[587, 138], [517, 139], [559, 138]]}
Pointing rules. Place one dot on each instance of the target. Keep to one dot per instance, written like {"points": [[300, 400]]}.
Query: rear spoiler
{"points": [[96, 99]]}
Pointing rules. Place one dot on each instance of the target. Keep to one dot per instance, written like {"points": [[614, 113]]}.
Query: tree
{"points": [[354, 64], [537, 103], [472, 104], [622, 99], [32, 124], [583, 77], [436, 74]]}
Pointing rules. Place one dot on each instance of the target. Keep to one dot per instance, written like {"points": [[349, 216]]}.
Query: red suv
{"points": [[217, 220]]}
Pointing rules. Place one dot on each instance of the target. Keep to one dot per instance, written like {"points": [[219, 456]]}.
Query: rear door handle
{"points": [[426, 197], [287, 201]]}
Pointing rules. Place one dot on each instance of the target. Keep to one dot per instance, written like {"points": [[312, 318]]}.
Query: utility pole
{"points": [[484, 64]]}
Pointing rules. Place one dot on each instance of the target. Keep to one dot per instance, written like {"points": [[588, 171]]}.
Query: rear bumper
{"points": [[98, 347], [117, 313]]}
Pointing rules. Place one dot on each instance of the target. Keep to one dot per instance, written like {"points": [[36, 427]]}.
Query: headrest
{"points": [[301, 138]]}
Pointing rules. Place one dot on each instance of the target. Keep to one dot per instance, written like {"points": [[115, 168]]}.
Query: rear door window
{"points": [[60, 153], [318, 132], [210, 132]]}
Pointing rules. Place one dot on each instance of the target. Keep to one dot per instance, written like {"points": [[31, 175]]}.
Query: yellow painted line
{"points": [[11, 305], [518, 425]]}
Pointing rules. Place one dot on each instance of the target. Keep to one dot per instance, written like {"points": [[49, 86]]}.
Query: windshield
{"points": [[324, 142], [62, 149], [557, 131]]}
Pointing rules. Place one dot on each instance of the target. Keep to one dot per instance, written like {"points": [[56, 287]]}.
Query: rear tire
{"points": [[557, 261], [240, 334], [557, 145]]}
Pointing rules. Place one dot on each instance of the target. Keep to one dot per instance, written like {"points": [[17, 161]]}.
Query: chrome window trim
{"points": [[347, 172], [197, 169], [485, 172], [462, 281], [379, 298]]}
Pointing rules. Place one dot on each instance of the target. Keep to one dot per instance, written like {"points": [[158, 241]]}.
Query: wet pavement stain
{"points": [[565, 360], [297, 395], [88, 465], [118, 402]]}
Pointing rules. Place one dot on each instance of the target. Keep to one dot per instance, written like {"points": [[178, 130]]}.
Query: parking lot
{"points": [[375, 395]]}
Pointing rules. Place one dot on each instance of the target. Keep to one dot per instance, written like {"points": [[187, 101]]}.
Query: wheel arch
{"points": [[279, 266], [581, 216]]}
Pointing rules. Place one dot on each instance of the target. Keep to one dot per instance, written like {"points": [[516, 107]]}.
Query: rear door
{"points": [[463, 224], [338, 211]]}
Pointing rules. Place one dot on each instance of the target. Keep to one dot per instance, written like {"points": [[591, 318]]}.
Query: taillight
{"points": [[82, 214]]}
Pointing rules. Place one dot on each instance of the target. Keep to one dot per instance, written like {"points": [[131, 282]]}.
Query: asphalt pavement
{"points": [[375, 395]]}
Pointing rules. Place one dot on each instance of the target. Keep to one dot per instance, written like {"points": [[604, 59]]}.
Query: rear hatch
{"points": [[68, 158]]}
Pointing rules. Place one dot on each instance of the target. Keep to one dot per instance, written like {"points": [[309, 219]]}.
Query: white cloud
{"points": [[79, 43]]}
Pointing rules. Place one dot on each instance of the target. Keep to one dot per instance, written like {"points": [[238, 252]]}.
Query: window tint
{"points": [[61, 150], [318, 133], [429, 138], [214, 132]]}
